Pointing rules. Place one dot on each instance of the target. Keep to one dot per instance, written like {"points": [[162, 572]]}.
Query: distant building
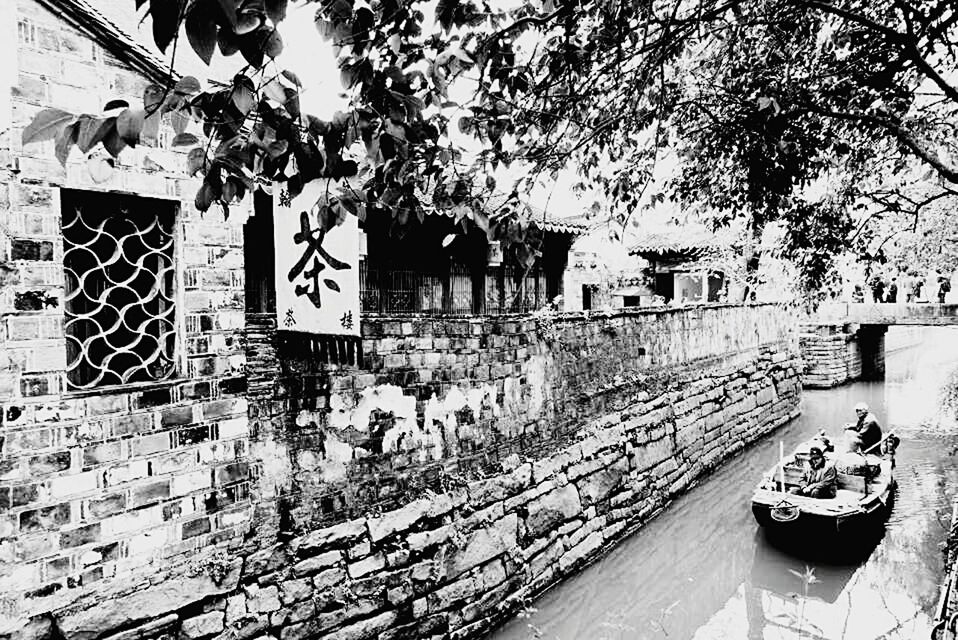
{"points": [[677, 266]]}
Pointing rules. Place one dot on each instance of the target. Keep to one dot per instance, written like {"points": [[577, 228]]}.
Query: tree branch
{"points": [[903, 135]]}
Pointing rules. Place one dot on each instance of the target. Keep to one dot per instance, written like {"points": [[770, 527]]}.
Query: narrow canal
{"points": [[703, 570]]}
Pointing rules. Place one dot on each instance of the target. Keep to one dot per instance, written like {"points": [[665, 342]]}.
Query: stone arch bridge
{"points": [[845, 341]]}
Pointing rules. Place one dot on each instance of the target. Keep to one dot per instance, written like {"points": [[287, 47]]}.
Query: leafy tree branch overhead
{"points": [[758, 100]]}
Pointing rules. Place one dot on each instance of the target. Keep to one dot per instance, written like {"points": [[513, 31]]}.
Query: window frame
{"points": [[66, 194]]}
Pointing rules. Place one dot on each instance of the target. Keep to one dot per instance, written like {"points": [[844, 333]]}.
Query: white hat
{"points": [[861, 406]]}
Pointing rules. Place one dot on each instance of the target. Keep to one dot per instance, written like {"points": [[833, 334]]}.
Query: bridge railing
{"points": [[886, 313]]}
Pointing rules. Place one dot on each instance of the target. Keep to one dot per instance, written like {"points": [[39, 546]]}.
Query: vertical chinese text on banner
{"points": [[317, 264]]}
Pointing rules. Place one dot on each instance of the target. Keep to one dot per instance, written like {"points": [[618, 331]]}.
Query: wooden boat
{"points": [[863, 498]]}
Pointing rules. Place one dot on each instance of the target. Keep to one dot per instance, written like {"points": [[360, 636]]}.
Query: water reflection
{"points": [[703, 569]]}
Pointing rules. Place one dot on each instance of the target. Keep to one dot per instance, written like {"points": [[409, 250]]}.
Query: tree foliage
{"points": [[762, 102]]}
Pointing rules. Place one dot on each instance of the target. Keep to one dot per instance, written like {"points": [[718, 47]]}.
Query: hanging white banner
{"points": [[317, 272]]}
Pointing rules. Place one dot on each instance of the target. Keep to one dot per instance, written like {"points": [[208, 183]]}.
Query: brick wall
{"points": [[534, 468], [97, 486], [444, 398]]}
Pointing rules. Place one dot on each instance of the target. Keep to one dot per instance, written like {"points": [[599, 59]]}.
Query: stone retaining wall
{"points": [[836, 354], [578, 438]]}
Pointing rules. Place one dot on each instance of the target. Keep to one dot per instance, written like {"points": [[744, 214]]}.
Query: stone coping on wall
{"points": [[623, 312]]}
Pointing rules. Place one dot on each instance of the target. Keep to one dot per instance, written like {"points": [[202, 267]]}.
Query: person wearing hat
{"points": [[866, 428], [820, 479]]}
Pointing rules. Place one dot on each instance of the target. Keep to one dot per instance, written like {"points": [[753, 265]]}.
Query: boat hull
{"points": [[808, 523], [830, 518]]}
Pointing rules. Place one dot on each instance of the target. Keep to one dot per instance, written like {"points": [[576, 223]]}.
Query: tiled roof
{"points": [[85, 17], [554, 225], [687, 240]]}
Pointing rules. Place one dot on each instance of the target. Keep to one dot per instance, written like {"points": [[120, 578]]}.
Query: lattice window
{"points": [[120, 284]]}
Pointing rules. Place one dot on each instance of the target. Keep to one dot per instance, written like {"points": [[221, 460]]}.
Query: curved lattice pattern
{"points": [[120, 322]]}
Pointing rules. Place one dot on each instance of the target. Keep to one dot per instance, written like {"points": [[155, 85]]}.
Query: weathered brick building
{"points": [[107, 462], [172, 467]]}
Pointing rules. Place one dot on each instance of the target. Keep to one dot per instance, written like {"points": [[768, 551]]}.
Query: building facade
{"points": [[124, 421]]}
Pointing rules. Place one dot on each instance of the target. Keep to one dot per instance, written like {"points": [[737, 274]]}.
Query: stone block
{"points": [[420, 541], [296, 590], [369, 628], [317, 563], [235, 607], [202, 626], [482, 545], [500, 487], [329, 578], [397, 521], [451, 594], [552, 509], [263, 600], [366, 566]]}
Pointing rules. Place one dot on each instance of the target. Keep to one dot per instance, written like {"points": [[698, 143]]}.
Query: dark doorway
{"points": [[259, 256], [586, 297]]}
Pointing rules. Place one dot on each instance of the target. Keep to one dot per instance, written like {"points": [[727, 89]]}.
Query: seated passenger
{"points": [[867, 429], [820, 479]]}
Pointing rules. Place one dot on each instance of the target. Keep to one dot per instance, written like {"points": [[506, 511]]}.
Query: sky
{"points": [[313, 60]]}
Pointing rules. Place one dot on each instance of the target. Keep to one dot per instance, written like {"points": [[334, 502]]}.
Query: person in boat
{"points": [[820, 479], [867, 429]]}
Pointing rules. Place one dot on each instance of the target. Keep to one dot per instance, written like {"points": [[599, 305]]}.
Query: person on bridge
{"points": [[892, 294], [820, 479], [944, 286], [906, 286], [877, 284], [867, 429]]}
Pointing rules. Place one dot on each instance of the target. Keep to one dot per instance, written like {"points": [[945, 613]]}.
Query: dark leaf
{"points": [[292, 77], [332, 284], [317, 127], [229, 11], [166, 21], [276, 10], [116, 104], [184, 139], [112, 141], [229, 190], [252, 46], [233, 189], [65, 138], [196, 160], [45, 125], [201, 31], [129, 125], [346, 169], [204, 196], [339, 10], [227, 41], [445, 12], [93, 130]]}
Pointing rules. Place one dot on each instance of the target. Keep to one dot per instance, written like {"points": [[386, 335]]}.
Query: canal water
{"points": [[703, 570]]}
